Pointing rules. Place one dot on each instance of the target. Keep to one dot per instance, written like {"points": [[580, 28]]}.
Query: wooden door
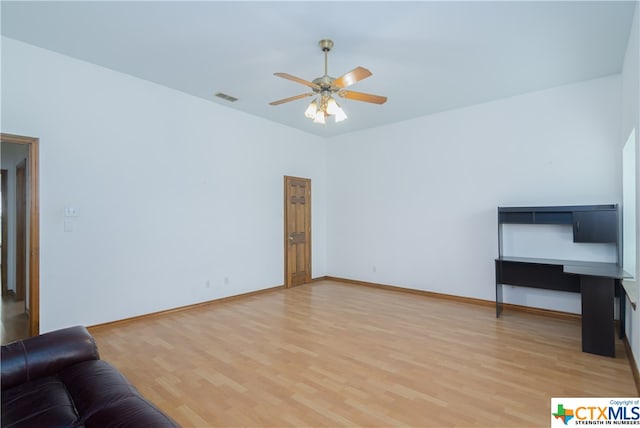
{"points": [[21, 230], [297, 228]]}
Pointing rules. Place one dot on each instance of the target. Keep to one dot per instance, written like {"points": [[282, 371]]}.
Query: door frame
{"points": [[21, 229], [3, 257], [33, 225], [287, 276]]}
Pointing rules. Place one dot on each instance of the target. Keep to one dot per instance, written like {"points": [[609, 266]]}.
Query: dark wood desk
{"points": [[598, 284]]}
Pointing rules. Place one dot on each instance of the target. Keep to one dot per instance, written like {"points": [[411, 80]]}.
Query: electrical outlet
{"points": [[207, 284], [226, 280]]}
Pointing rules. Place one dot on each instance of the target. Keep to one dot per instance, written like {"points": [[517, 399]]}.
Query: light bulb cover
{"points": [[310, 112], [340, 115], [332, 106], [319, 117]]}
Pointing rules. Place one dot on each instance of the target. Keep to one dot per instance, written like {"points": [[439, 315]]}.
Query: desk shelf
{"points": [[591, 223]]}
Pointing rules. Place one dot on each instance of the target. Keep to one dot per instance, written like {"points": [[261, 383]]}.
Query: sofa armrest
{"points": [[45, 355]]}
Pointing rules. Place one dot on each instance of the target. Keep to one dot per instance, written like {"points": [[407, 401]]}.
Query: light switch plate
{"points": [[70, 212]]}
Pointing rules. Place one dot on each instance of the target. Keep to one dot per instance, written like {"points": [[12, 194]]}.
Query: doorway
{"points": [[24, 205], [297, 228]]}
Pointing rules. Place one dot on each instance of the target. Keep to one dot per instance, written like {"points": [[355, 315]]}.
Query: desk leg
{"points": [[598, 328], [498, 290], [621, 302]]}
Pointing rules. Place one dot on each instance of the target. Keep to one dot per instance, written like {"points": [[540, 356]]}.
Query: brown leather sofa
{"points": [[57, 379]]}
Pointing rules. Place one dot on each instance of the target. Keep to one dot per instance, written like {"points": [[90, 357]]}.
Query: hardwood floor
{"points": [[336, 354]]}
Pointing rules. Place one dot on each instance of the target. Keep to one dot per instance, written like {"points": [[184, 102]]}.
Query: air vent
{"points": [[226, 97]]}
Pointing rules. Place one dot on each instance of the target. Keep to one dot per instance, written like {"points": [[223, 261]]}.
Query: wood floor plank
{"points": [[336, 354]]}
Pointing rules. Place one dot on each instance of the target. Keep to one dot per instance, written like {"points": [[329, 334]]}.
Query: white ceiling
{"points": [[426, 57]]}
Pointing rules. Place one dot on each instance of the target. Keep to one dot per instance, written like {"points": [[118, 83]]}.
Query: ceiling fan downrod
{"points": [[325, 45]]}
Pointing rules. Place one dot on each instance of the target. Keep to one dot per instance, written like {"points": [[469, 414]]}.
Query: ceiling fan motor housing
{"points": [[324, 82]]}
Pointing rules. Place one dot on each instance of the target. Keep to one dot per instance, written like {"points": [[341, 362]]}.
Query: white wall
{"points": [[414, 204], [171, 191], [631, 120]]}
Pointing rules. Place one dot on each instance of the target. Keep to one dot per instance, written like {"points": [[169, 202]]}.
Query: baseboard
{"points": [[470, 300], [632, 363], [184, 308], [540, 311], [413, 291]]}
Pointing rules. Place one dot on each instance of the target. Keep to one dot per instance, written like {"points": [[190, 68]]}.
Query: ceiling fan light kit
{"points": [[318, 112], [324, 105]]}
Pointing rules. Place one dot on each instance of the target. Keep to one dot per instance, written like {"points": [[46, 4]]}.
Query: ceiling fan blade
{"points": [[360, 96], [286, 100], [298, 80], [355, 75]]}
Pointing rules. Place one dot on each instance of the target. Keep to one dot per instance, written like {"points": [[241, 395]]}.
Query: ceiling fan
{"points": [[326, 86]]}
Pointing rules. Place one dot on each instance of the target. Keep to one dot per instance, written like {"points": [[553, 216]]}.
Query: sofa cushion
{"points": [[45, 355], [39, 403], [105, 398], [95, 384]]}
